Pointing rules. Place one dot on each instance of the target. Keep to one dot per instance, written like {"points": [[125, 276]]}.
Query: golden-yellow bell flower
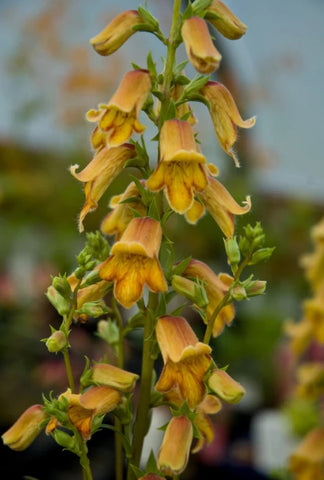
{"points": [[186, 360], [300, 335], [209, 406], [216, 287], [221, 17], [310, 378], [99, 173], [307, 462], [314, 313], [83, 408], [225, 116], [222, 206], [115, 34], [26, 428], [134, 262], [174, 452], [200, 49], [116, 221], [181, 169], [119, 118]]}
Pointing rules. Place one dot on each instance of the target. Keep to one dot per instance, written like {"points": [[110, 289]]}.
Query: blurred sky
{"points": [[279, 62]]}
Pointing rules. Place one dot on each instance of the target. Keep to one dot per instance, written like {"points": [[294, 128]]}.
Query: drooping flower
{"points": [[26, 428], [119, 118], [99, 173], [307, 462], [83, 408], [216, 287], [174, 452], [225, 387], [314, 313], [221, 17], [116, 221], [200, 49], [115, 34], [209, 406], [186, 360], [310, 378], [111, 376], [222, 206], [181, 170], [225, 116], [134, 261], [300, 335]]}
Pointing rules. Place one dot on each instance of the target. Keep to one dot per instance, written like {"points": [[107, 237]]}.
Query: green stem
{"points": [[68, 369], [172, 47], [85, 463], [66, 324], [223, 302], [142, 415], [119, 458]]}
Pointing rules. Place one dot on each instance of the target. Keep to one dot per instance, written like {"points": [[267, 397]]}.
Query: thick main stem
{"points": [[141, 421], [168, 72], [118, 425]]}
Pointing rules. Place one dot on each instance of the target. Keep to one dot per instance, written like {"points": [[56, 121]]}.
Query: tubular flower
{"points": [[209, 406], [119, 118], [186, 360], [115, 34], [314, 312], [221, 17], [99, 173], [310, 377], [174, 452], [134, 262], [111, 376], [225, 387], [83, 408], [26, 428], [216, 287], [222, 206], [300, 335], [180, 170], [199, 46], [225, 116], [307, 462], [115, 222]]}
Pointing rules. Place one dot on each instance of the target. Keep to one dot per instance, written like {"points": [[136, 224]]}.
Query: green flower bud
{"points": [[62, 285], [108, 331], [260, 255], [256, 288], [93, 309], [61, 304], [64, 439], [232, 251], [56, 342], [238, 293], [194, 291]]}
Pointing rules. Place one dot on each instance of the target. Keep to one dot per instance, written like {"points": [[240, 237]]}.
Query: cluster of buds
{"points": [[304, 336], [181, 182]]}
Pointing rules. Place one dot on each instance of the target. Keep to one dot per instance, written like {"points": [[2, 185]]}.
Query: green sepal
{"points": [[151, 22], [261, 255], [199, 7]]}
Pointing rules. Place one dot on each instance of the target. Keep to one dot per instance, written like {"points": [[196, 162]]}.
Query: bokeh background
{"points": [[49, 78]]}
